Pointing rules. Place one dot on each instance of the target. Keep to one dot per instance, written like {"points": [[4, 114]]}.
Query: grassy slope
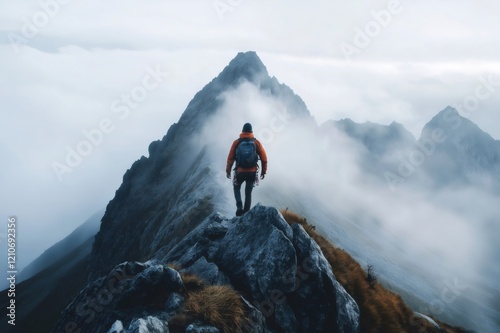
{"points": [[381, 309]]}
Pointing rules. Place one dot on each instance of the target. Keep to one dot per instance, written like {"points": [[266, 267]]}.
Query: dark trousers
{"points": [[248, 178]]}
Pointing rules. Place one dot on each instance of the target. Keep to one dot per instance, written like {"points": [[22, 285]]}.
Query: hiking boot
{"points": [[239, 212]]}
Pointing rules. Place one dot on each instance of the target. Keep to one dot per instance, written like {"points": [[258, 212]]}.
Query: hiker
{"points": [[246, 152]]}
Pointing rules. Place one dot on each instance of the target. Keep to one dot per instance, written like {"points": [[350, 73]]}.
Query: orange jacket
{"points": [[260, 151]]}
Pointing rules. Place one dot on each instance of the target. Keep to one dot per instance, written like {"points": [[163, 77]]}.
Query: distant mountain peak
{"points": [[373, 131], [450, 120], [396, 125], [450, 109], [460, 152]]}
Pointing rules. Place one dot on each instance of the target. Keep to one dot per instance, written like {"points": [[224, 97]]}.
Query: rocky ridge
{"points": [[285, 283]]}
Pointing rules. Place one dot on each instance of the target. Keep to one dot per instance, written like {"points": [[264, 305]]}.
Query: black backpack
{"points": [[246, 153]]}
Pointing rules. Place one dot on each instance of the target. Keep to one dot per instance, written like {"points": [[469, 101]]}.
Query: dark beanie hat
{"points": [[247, 128]]}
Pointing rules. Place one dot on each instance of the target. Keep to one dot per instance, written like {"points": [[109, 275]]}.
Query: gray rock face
{"points": [[121, 299], [286, 282]]}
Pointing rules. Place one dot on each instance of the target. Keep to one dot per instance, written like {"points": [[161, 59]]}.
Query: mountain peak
{"points": [[450, 121], [474, 153], [445, 117], [449, 110], [249, 57], [246, 65], [375, 137]]}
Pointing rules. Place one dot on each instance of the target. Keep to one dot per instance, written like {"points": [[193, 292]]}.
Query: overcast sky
{"points": [[67, 67]]}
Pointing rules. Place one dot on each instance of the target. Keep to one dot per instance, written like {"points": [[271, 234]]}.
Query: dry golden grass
{"points": [[219, 306], [192, 282], [380, 309]]}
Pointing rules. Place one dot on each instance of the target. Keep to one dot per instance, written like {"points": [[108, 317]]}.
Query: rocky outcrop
{"points": [[285, 282]]}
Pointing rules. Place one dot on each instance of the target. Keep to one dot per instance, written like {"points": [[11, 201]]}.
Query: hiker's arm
{"points": [[263, 160], [230, 159]]}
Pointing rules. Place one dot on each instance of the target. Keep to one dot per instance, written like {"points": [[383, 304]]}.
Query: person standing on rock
{"points": [[246, 152]]}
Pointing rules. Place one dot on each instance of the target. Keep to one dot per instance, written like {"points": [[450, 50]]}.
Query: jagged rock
{"points": [[208, 271], [256, 322], [286, 318], [174, 304], [148, 325], [154, 281], [201, 242], [257, 253], [319, 290], [125, 294], [117, 327], [193, 328], [286, 273], [142, 325]]}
